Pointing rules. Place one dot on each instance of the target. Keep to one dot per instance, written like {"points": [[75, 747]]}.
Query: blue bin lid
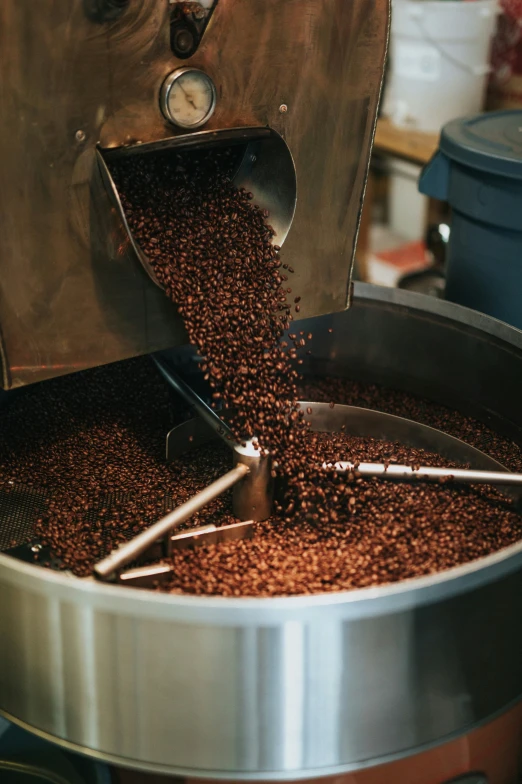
{"points": [[489, 142]]}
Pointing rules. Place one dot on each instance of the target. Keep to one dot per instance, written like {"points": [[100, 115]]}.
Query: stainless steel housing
{"points": [[300, 687]]}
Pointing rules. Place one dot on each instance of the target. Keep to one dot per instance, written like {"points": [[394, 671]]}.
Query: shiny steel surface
{"points": [[366, 423], [149, 576], [73, 293], [211, 534], [128, 551], [197, 404], [252, 497], [363, 422], [293, 687], [187, 436], [428, 474]]}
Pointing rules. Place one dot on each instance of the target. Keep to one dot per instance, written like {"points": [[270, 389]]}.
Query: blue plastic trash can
{"points": [[478, 170]]}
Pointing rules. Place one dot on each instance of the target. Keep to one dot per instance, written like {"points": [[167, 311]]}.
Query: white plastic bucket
{"points": [[407, 207], [439, 60]]}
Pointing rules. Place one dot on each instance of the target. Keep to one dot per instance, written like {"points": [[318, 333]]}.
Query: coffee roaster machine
{"points": [[416, 682]]}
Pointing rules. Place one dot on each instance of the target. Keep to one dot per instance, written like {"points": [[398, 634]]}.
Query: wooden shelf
{"points": [[413, 146]]}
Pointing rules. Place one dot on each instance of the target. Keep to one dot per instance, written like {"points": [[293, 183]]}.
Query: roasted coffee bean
{"points": [[378, 532], [112, 422], [93, 445], [93, 442], [227, 285], [400, 403]]}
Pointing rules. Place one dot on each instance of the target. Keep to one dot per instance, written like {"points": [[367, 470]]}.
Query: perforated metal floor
{"points": [[20, 509]]}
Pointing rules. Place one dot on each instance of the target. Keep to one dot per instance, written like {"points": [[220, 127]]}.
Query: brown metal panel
{"points": [[72, 292]]}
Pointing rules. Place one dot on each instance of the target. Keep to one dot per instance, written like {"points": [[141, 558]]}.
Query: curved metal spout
{"points": [[266, 169], [112, 190]]}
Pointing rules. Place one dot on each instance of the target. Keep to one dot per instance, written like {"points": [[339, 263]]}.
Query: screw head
{"points": [[35, 548], [80, 136], [283, 108]]}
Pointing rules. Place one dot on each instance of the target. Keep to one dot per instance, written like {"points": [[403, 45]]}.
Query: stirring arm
{"points": [[109, 567], [401, 472], [197, 404]]}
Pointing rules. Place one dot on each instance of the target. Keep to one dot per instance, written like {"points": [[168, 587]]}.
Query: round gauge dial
{"points": [[188, 98]]}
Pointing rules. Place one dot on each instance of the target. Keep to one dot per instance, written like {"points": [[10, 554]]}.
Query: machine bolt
{"points": [[80, 136], [283, 108], [182, 41]]}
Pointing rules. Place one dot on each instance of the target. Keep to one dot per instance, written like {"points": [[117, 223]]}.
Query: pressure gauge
{"points": [[188, 98]]}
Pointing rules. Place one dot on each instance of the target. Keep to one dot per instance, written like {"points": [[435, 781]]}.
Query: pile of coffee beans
{"points": [[93, 443], [379, 532], [392, 401]]}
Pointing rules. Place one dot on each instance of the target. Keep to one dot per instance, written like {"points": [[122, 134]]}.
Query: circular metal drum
{"points": [[300, 687]]}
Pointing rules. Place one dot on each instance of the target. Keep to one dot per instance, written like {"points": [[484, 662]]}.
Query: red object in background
{"points": [[407, 258], [388, 267], [505, 91]]}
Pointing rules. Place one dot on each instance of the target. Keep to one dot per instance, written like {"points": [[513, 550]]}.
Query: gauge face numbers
{"points": [[188, 98]]}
